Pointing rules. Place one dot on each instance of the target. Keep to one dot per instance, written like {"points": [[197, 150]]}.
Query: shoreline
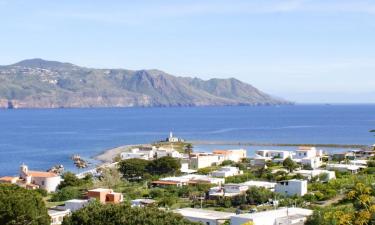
{"points": [[106, 156], [245, 143]]}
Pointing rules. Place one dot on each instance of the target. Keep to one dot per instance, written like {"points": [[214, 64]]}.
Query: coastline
{"points": [[107, 156]]}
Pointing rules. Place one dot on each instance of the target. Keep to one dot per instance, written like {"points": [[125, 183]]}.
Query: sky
{"points": [[308, 51]]}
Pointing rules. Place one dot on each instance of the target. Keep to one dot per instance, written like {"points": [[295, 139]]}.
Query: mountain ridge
{"points": [[38, 83]]}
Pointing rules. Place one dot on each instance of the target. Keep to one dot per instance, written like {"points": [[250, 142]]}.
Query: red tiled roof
{"points": [[41, 174]]}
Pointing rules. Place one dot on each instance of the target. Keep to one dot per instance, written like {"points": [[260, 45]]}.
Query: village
{"points": [[219, 187]]}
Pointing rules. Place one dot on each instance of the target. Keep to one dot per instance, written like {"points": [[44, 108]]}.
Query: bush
{"points": [[239, 178], [71, 180], [42, 192], [66, 193], [258, 195], [96, 214]]}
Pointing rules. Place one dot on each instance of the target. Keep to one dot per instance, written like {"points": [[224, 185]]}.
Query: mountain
{"points": [[37, 83]]}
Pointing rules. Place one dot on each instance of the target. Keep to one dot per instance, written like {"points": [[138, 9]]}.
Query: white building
{"points": [[76, 204], [226, 171], [228, 190], [162, 152], [136, 153], [189, 179], [307, 152], [174, 139], [150, 154], [292, 187], [44, 180], [345, 167], [276, 155], [207, 217], [265, 184], [57, 215], [235, 155], [282, 216], [202, 160], [309, 174], [309, 156], [142, 202]]}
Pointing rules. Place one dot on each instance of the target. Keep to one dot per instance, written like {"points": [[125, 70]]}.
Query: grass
{"points": [[178, 146]]}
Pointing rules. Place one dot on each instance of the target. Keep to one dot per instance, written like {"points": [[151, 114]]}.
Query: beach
{"points": [[108, 155]]}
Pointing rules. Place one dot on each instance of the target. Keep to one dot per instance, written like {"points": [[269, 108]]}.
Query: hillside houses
{"points": [[291, 187], [190, 179], [307, 156]]}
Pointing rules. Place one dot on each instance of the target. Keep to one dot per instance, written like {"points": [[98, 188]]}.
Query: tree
{"points": [[70, 179], [289, 164], [66, 193], [133, 169], [164, 165], [188, 148], [258, 195], [110, 178], [21, 206], [98, 214]]}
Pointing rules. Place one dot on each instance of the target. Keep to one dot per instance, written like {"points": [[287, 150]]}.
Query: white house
{"points": [[345, 167], [276, 155], [207, 217], [162, 152], [75, 204], [307, 152], [265, 184], [282, 216], [57, 215], [202, 160], [292, 187], [235, 155], [226, 171], [189, 179], [309, 174], [142, 202], [228, 190], [44, 180], [136, 153]]}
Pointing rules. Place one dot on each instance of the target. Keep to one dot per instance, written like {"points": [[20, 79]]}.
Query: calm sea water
{"points": [[43, 138]]}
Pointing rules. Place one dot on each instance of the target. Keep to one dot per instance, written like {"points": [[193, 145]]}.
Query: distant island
{"points": [[37, 83]]}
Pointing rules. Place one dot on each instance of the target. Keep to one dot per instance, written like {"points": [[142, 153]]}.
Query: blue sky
{"points": [[306, 51]]}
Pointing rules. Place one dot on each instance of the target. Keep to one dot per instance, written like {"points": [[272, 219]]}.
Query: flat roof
{"points": [[55, 212], [100, 189], [204, 214], [278, 213], [77, 201]]}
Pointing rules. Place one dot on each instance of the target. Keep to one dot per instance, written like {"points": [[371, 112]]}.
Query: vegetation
{"points": [[289, 164], [258, 195], [21, 206], [97, 214], [70, 179], [66, 193], [137, 169]]}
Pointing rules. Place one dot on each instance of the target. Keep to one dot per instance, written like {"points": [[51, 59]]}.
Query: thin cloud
{"points": [[138, 13]]}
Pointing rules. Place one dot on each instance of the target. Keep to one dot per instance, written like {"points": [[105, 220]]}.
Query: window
{"points": [[207, 223], [43, 183]]}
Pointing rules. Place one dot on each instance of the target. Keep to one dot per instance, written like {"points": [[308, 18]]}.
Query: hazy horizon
{"points": [[303, 51]]}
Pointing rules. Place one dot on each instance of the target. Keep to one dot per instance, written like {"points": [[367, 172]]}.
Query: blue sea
{"points": [[42, 138]]}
